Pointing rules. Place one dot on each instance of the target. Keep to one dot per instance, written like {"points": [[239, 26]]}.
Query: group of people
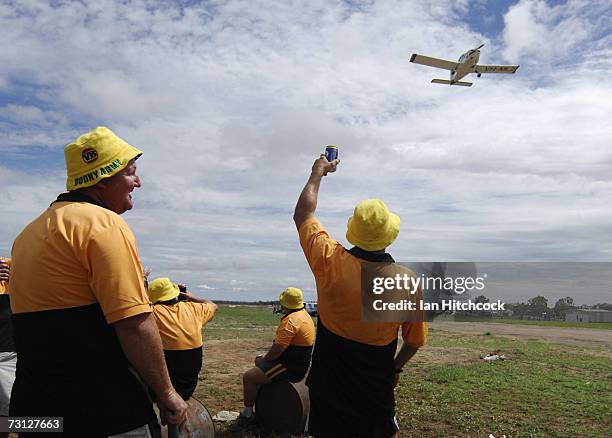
{"points": [[95, 344]]}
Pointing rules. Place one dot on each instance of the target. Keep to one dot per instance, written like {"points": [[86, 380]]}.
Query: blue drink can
{"points": [[331, 152]]}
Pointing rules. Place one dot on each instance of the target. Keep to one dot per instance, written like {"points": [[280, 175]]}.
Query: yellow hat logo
{"points": [[90, 155], [96, 155]]}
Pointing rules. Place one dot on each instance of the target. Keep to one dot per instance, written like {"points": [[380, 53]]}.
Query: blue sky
{"points": [[231, 101]]}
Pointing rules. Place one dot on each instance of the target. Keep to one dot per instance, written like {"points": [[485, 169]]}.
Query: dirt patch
{"points": [[220, 385], [445, 356], [575, 336]]}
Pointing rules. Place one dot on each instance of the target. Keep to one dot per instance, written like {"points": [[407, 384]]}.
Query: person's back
{"points": [[354, 364], [287, 359], [337, 274], [296, 332], [180, 319]]}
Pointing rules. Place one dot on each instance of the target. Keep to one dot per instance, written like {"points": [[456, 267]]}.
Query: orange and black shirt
{"points": [[353, 360], [337, 273], [296, 332], [75, 271], [180, 325]]}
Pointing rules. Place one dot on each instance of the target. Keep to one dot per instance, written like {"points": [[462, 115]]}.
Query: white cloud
{"points": [[231, 102], [536, 31], [29, 114]]}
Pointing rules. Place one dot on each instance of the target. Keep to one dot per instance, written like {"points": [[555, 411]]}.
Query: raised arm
{"points": [[188, 297], [307, 202]]}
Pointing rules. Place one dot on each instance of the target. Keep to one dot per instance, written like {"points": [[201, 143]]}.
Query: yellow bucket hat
{"points": [[162, 289], [96, 155], [291, 298], [372, 226]]}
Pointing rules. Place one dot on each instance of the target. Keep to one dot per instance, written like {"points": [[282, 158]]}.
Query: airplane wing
{"points": [[496, 68], [433, 62]]}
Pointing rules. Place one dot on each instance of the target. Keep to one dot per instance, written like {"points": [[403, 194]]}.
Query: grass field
{"points": [[545, 389], [583, 325]]}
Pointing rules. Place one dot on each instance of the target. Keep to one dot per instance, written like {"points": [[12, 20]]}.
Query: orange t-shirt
{"points": [[76, 254], [338, 277], [296, 328], [180, 324]]}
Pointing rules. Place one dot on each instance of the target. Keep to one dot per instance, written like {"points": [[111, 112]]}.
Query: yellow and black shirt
{"points": [[75, 271], [180, 323], [296, 332], [353, 360], [337, 274], [180, 326]]}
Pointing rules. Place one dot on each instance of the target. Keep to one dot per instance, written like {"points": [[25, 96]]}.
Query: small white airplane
{"points": [[468, 63]]}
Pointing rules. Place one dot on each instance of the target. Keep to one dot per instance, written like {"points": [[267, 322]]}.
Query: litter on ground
{"points": [[225, 416], [494, 355]]}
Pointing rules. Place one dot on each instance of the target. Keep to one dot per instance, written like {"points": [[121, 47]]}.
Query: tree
{"points": [[537, 305], [562, 306], [518, 309], [482, 299], [604, 306]]}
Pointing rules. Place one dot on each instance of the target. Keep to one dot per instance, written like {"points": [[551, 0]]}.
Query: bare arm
{"points": [[189, 297], [307, 202], [274, 352], [402, 357], [140, 341]]}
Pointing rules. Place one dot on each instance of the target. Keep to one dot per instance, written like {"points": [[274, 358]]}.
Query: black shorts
{"points": [[327, 422], [275, 370]]}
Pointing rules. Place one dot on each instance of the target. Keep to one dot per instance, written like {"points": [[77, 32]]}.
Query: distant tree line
{"points": [[537, 308], [250, 303]]}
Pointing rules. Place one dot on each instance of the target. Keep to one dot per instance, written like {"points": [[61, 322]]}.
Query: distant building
{"points": [[588, 315], [311, 308]]}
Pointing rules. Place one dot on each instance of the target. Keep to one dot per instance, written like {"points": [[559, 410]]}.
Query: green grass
{"points": [[589, 325], [543, 390], [242, 322]]}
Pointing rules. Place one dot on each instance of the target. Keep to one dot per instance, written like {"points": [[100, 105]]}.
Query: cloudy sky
{"points": [[231, 101]]}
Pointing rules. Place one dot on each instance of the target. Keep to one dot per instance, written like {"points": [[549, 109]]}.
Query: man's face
{"points": [[116, 191]]}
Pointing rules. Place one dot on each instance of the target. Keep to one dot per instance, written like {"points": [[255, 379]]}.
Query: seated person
{"points": [[289, 355], [180, 318]]}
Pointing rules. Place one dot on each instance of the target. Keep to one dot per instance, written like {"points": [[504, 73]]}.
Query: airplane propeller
{"points": [[479, 47]]}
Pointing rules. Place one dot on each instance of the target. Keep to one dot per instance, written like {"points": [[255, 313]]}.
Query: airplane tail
{"points": [[443, 81]]}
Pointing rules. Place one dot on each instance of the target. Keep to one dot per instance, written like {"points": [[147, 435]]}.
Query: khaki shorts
{"points": [[8, 365]]}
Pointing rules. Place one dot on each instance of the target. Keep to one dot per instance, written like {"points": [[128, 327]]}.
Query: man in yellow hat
{"points": [[289, 356], [354, 363], [180, 318], [81, 315]]}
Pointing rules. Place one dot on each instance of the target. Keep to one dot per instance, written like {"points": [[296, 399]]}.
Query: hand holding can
{"points": [[331, 153], [5, 269]]}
